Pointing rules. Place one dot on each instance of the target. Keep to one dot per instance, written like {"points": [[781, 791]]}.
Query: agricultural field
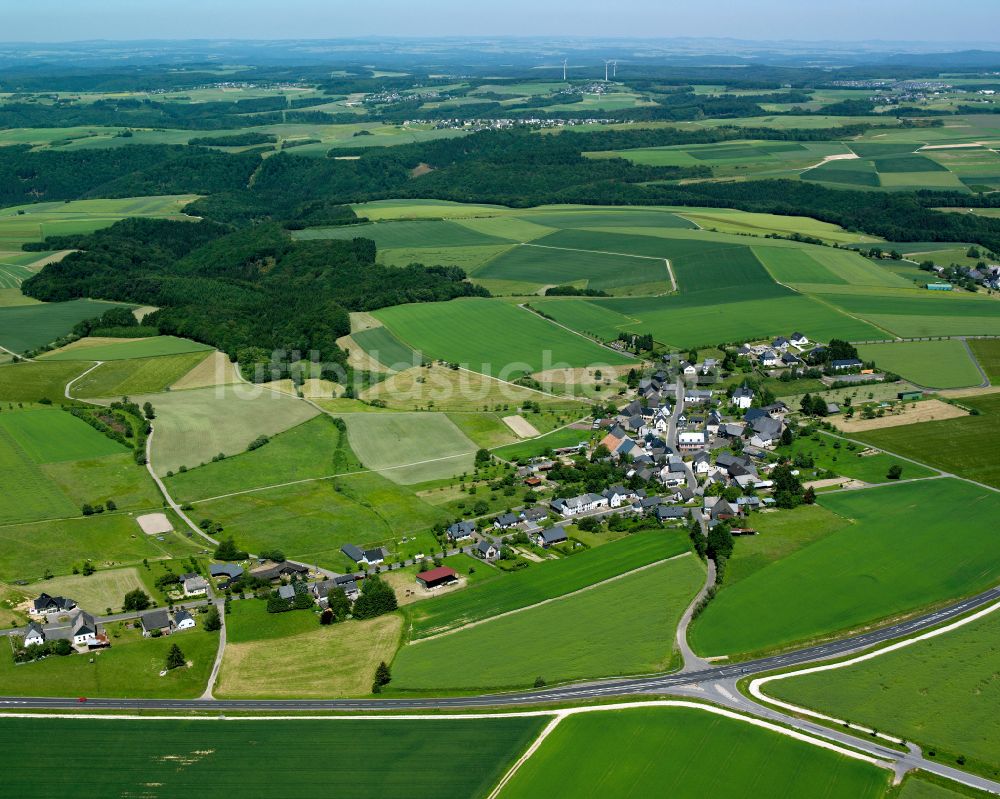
{"points": [[485, 430], [805, 266], [33, 381], [192, 427], [97, 592], [938, 692], [965, 446], [845, 459], [387, 759], [498, 339], [130, 667], [26, 327], [307, 660], [902, 547], [111, 350], [379, 343], [313, 449], [563, 437], [935, 364], [682, 751], [624, 637], [140, 376], [503, 593], [408, 447], [987, 353]]}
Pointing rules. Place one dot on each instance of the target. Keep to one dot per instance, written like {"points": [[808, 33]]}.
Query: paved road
{"points": [[606, 688]]}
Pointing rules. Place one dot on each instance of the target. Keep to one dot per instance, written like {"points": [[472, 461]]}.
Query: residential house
{"points": [[345, 582], [183, 620], [618, 496], [506, 520], [286, 592], [780, 343], [687, 369], [84, 631], [34, 635], [766, 432], [460, 531], [367, 557], [770, 358], [798, 339], [731, 430], [702, 463], [697, 396], [743, 397], [551, 537], [691, 441], [194, 584], [581, 504], [665, 513], [486, 550], [52, 604], [153, 620], [227, 571], [791, 360], [535, 514], [846, 363]]}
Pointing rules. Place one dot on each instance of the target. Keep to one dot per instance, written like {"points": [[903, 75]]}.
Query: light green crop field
{"points": [[903, 547], [483, 429], [140, 348], [685, 752], [916, 313], [390, 759], [410, 447], [936, 364], [384, 347], [505, 592], [845, 459], [622, 635], [807, 265], [966, 446], [27, 494], [564, 437], [987, 352], [388, 235], [139, 376], [315, 448], [51, 435], [96, 480], [313, 520], [938, 692], [30, 382], [130, 667], [728, 220], [26, 327], [491, 337], [194, 426], [920, 786]]}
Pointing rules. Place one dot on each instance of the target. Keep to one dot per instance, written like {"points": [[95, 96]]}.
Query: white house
{"points": [[769, 358], [618, 496], [688, 369], [194, 585], [798, 339], [691, 441], [486, 550], [34, 636], [84, 630], [183, 620], [580, 504], [702, 463], [743, 397]]}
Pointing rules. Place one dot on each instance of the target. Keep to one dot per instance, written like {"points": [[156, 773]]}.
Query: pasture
{"points": [[315, 448], [846, 459], [96, 480], [110, 350], [685, 752], [410, 447], [192, 427], [380, 344], [903, 547], [502, 593], [563, 437], [938, 692], [27, 327], [387, 759], [935, 364], [623, 636], [485, 430], [130, 667], [965, 446], [140, 376], [987, 352], [317, 662], [497, 338], [101, 590]]}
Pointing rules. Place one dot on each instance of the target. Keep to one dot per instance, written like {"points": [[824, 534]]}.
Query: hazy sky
{"points": [[925, 20]]}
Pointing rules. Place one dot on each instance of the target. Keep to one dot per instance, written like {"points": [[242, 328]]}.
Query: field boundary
{"points": [[548, 601]]}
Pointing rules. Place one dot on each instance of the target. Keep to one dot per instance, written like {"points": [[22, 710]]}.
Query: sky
{"points": [[845, 20]]}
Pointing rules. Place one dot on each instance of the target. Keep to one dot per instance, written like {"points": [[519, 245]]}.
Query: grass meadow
{"points": [[829, 454], [987, 352], [387, 759], [30, 382], [622, 627], [563, 437], [686, 752], [505, 592], [97, 592], [29, 326], [110, 350], [902, 547], [139, 376], [935, 364], [939, 693]]}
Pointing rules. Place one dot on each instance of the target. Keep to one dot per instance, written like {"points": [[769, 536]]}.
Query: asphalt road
{"points": [[652, 684]]}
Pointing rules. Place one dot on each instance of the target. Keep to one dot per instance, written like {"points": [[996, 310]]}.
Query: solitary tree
{"points": [[175, 658], [136, 600], [213, 621], [895, 472], [382, 678]]}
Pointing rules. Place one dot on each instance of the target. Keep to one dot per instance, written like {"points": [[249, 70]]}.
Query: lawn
{"points": [[966, 446], [27, 327], [410, 447], [903, 547], [542, 581], [151, 347], [30, 382], [564, 437], [140, 376], [623, 636], [131, 667], [312, 449], [97, 592], [192, 427], [845, 459], [306, 660], [496, 338], [940, 693], [387, 759], [384, 347], [685, 752], [987, 352], [935, 364]]}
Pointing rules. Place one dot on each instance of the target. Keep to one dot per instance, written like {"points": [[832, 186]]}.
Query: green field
{"points": [[597, 633], [96, 592], [685, 752], [124, 350], [496, 338], [194, 426], [901, 548], [938, 692], [29, 326], [563, 437], [965, 446], [935, 364], [483, 429], [987, 352], [505, 592], [30, 382], [388, 235], [816, 265], [384, 347], [839, 457], [410, 447], [315, 448], [140, 376], [388, 759], [917, 313]]}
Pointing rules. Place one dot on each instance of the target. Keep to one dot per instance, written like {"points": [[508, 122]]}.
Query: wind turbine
{"points": [[614, 69], [564, 70], [607, 63]]}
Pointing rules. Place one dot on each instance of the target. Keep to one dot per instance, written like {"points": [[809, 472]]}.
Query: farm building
{"points": [[434, 578], [910, 395], [939, 286]]}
